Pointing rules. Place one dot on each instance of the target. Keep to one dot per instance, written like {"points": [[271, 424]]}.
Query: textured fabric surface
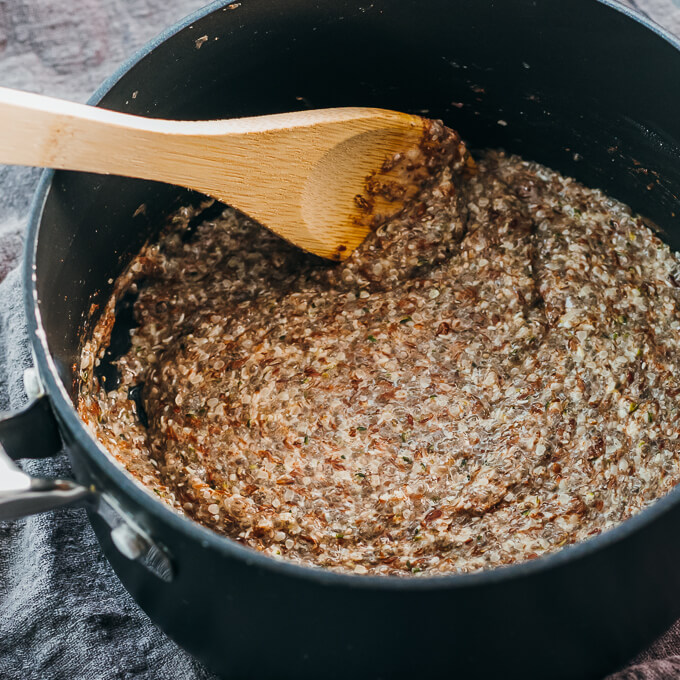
{"points": [[63, 612]]}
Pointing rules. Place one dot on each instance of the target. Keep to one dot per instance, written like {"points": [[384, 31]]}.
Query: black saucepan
{"points": [[582, 86]]}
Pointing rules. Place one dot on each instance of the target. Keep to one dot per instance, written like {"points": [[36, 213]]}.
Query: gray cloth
{"points": [[63, 612]]}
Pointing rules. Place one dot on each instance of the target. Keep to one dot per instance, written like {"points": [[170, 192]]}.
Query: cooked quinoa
{"points": [[494, 374]]}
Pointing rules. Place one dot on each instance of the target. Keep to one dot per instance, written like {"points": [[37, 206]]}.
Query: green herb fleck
{"points": [[371, 338], [403, 436], [650, 417], [361, 474], [407, 459], [343, 457], [306, 439], [361, 428], [339, 535], [633, 407], [248, 423], [406, 319]]}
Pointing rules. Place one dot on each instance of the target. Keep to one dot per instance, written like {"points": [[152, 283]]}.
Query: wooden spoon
{"points": [[303, 175]]}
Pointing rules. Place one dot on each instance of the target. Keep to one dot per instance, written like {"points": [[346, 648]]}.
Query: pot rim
{"points": [[206, 537]]}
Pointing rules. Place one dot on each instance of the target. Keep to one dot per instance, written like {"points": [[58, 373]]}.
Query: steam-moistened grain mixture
{"points": [[492, 375]]}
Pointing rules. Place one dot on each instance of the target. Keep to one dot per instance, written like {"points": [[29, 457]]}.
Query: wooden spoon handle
{"points": [[53, 133], [224, 158]]}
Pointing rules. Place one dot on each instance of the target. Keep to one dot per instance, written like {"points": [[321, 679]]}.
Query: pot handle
{"points": [[32, 433], [21, 495]]}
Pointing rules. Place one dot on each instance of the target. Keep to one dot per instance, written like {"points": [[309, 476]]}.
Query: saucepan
{"points": [[586, 87]]}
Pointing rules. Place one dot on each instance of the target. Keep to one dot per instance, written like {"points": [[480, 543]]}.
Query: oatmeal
{"points": [[492, 375]]}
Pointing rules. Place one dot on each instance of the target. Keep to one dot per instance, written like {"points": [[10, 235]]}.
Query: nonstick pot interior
{"points": [[576, 85]]}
